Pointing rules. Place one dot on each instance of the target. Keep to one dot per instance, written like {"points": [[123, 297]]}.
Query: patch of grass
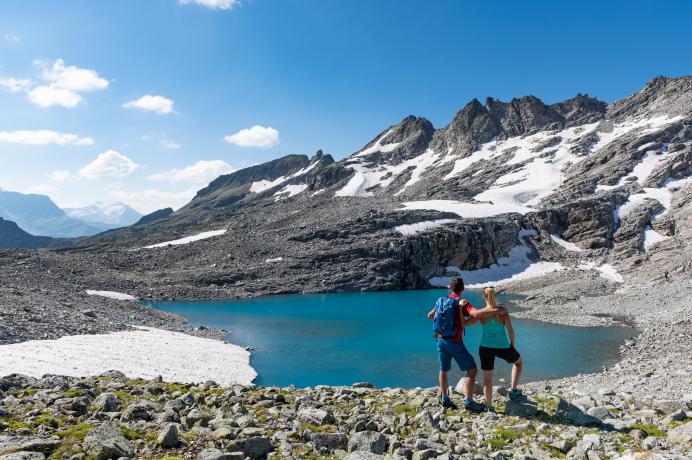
{"points": [[135, 382], [317, 428], [128, 433], [497, 443], [122, 395], [649, 429], [405, 409], [173, 387], [12, 423], [66, 450], [75, 432], [47, 420], [73, 393], [508, 435], [216, 391]]}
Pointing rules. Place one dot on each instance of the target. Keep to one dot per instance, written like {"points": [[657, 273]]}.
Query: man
{"points": [[452, 345]]}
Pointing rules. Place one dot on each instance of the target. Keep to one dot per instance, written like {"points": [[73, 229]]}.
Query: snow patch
{"points": [[652, 237], [607, 271], [513, 267], [187, 239], [379, 147], [290, 190], [418, 227], [277, 259], [144, 353], [663, 195], [469, 210], [111, 294], [566, 244]]}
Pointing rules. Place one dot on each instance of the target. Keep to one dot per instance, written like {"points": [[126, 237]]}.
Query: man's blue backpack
{"points": [[446, 311]]}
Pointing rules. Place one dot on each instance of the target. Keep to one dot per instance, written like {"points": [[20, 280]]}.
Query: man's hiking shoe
{"points": [[474, 407], [514, 393], [490, 409], [448, 403]]}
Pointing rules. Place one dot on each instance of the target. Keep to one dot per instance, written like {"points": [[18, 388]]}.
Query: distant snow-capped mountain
{"points": [[109, 215]]}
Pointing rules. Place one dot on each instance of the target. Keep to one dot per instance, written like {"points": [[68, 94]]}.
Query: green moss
{"points": [[405, 409], [649, 429], [65, 450], [31, 390], [135, 382], [73, 393], [75, 432], [13, 423], [129, 433], [317, 428], [173, 387], [497, 443], [508, 435], [47, 420], [122, 395]]}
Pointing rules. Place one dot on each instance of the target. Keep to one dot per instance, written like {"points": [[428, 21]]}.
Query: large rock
{"points": [[330, 441], [521, 407], [13, 444], [216, 454], [106, 402], [140, 410], [106, 442], [254, 447], [358, 455], [681, 434], [368, 441], [23, 455], [574, 414], [168, 437], [315, 416]]}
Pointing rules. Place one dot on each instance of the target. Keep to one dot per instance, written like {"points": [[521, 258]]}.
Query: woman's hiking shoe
{"points": [[490, 409], [472, 406], [514, 393], [448, 403]]}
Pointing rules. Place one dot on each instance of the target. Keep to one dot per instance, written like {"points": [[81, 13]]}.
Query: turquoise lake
{"points": [[381, 337]]}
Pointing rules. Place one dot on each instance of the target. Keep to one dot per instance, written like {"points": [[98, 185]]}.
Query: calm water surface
{"points": [[381, 337]]}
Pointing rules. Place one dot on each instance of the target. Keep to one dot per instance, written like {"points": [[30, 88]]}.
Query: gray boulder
{"points": [[574, 414], [168, 437], [681, 434], [106, 402], [216, 454], [106, 442], [139, 410], [330, 441], [363, 456], [315, 416], [368, 441], [23, 455], [254, 447]]}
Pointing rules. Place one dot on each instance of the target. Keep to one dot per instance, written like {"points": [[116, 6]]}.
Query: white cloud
{"points": [[41, 189], [46, 96], [262, 137], [150, 200], [158, 104], [64, 85], [212, 4], [170, 145], [12, 39], [14, 85], [43, 137], [201, 172], [59, 175], [109, 164]]}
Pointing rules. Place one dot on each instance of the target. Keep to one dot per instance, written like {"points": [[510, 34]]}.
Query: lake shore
{"points": [[642, 403]]}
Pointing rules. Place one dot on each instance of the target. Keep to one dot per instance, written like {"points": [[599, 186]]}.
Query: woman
{"points": [[498, 340]]}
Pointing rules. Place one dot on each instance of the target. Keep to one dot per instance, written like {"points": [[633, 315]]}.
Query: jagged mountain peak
{"points": [[525, 115], [581, 109], [660, 96]]}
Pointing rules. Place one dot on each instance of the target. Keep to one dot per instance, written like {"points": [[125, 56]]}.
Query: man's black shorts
{"points": [[488, 356]]}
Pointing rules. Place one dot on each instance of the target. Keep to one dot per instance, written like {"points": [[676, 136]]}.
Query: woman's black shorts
{"points": [[488, 356]]}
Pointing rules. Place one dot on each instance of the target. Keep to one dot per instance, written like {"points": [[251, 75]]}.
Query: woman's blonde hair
{"points": [[490, 296]]}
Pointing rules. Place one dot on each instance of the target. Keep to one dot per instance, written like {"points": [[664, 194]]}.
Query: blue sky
{"points": [[322, 74]]}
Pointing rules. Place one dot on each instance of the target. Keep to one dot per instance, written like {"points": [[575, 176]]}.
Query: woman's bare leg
{"points": [[516, 372], [488, 387]]}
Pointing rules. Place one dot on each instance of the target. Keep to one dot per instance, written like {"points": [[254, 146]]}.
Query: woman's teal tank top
{"points": [[494, 334]]}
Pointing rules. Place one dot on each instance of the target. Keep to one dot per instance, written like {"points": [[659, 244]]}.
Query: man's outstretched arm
{"points": [[485, 312]]}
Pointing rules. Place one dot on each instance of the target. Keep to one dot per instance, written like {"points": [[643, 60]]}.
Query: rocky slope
{"points": [[113, 417]]}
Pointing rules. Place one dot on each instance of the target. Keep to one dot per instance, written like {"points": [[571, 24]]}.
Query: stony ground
{"points": [[111, 417]]}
